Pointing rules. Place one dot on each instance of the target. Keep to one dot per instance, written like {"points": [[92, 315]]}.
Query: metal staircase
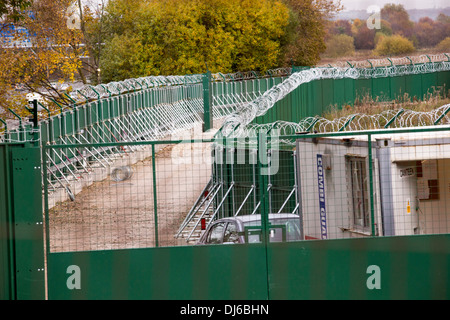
{"points": [[200, 214]]}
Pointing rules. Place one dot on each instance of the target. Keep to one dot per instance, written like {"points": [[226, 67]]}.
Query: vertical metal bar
{"points": [[262, 191], [46, 217], [155, 195], [264, 215], [207, 100], [254, 159], [233, 202], [294, 156], [11, 255], [371, 188]]}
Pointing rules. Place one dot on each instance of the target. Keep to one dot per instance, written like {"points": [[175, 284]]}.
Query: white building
{"points": [[410, 190]]}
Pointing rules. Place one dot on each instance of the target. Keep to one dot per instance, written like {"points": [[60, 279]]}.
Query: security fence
{"points": [[125, 174], [240, 213], [167, 193], [137, 199], [379, 198]]}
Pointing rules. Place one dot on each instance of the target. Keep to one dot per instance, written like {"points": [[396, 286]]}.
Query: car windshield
{"points": [[281, 229]]}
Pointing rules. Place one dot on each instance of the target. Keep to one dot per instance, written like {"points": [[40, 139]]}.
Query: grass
{"points": [[367, 105]]}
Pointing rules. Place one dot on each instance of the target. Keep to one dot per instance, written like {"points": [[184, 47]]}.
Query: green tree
{"points": [[304, 41], [183, 36]]}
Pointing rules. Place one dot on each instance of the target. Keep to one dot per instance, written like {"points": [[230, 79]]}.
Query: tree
{"points": [[398, 17], [13, 10], [54, 55], [444, 45], [306, 30], [427, 32], [394, 45], [93, 30], [340, 27], [365, 38], [340, 45], [183, 36]]}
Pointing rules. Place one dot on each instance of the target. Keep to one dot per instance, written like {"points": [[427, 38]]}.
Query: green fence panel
{"points": [[6, 265], [28, 223], [409, 268], [413, 88], [328, 89], [381, 89], [314, 98], [339, 92], [188, 273], [21, 224], [443, 80], [429, 82], [363, 89]]}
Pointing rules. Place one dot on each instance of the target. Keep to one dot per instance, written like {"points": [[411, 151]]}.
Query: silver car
{"points": [[247, 229]]}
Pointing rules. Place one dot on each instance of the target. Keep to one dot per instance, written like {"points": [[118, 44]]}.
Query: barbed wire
{"points": [[258, 107], [391, 118]]}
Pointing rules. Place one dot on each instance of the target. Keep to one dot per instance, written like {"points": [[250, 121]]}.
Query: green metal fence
{"points": [[123, 235], [122, 208], [22, 256], [118, 238], [314, 98]]}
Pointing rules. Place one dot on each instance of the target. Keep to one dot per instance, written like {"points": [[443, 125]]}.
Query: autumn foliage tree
{"points": [[398, 18], [54, 54], [185, 36], [307, 30], [131, 39], [394, 45]]}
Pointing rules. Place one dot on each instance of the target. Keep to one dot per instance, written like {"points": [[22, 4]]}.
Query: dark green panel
{"points": [[416, 267], [69, 123], [429, 82], [199, 272], [443, 80], [350, 94], [398, 87], [328, 93], [413, 86], [6, 283], [317, 96], [381, 89], [363, 88], [28, 223]]}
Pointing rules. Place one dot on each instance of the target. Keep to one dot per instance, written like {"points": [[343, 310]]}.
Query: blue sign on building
{"points": [[322, 205]]}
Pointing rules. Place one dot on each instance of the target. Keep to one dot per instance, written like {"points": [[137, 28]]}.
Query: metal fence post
{"points": [[371, 186], [155, 194], [207, 102]]}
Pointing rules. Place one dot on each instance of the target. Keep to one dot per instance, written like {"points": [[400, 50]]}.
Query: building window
{"points": [[359, 192]]}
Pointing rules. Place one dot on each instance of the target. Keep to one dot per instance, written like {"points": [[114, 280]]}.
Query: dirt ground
{"points": [[114, 215]]}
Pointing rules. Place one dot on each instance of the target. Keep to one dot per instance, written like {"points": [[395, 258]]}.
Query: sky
{"points": [[408, 4]]}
